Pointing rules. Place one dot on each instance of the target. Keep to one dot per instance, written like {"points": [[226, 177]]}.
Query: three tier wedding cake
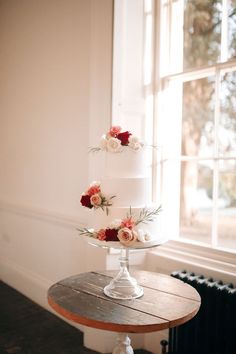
{"points": [[123, 213]]}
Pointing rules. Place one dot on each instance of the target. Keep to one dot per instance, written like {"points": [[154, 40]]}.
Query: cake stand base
{"points": [[123, 345], [123, 286]]}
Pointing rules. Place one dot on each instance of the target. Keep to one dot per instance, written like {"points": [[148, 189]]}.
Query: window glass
{"points": [[202, 33], [227, 124], [198, 117], [196, 201], [227, 205]]}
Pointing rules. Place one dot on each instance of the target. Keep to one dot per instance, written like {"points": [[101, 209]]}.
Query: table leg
{"points": [[123, 345]]}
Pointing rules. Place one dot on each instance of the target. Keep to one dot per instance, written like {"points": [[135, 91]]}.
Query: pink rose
{"points": [[128, 222], [127, 237], [101, 235], [94, 189], [114, 131], [96, 200]]}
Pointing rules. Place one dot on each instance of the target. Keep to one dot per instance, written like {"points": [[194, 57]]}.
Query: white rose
{"points": [[148, 236], [95, 184], [115, 224], [141, 235], [114, 145], [134, 143], [135, 146], [103, 143], [133, 139]]}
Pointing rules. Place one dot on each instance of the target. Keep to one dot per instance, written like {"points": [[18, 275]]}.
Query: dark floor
{"points": [[26, 328]]}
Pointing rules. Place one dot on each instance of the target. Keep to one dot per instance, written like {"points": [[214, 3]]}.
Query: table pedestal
{"points": [[123, 345]]}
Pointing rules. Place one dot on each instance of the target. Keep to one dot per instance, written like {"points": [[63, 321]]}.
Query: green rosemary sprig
{"points": [[94, 149], [147, 215], [129, 214], [106, 203], [86, 232]]}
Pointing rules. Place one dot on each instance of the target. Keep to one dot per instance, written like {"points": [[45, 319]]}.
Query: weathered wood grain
{"points": [[167, 302]]}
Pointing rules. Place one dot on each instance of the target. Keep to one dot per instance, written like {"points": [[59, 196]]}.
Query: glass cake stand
{"points": [[123, 286]]}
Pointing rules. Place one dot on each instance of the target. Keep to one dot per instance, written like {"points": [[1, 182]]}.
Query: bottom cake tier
{"points": [[101, 220], [125, 227]]}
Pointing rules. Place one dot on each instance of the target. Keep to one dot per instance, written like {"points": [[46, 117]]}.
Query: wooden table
{"points": [[167, 302]]}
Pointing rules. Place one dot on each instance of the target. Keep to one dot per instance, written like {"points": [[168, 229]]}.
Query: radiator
{"points": [[213, 329]]}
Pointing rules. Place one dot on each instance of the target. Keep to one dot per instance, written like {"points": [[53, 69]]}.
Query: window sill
{"points": [[179, 255]]}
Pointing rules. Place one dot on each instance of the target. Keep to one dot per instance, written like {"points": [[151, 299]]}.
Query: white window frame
{"points": [[184, 250]]}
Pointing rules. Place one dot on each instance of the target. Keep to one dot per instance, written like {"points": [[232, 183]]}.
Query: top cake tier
{"points": [[126, 164]]}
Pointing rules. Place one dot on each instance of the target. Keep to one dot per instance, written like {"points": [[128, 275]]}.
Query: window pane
{"points": [[232, 28], [227, 205], [227, 126], [198, 117], [202, 33], [196, 201]]}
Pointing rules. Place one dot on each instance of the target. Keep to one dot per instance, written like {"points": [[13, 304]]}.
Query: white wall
{"points": [[55, 99], [55, 102]]}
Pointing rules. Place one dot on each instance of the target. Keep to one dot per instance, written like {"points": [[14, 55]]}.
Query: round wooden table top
{"points": [[167, 302]]}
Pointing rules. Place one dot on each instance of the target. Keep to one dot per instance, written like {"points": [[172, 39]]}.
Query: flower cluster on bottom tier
{"points": [[127, 231]]}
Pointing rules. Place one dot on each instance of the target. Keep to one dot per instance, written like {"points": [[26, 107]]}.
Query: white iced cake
{"points": [[123, 215]]}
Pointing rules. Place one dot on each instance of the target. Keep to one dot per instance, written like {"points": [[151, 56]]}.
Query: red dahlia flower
{"points": [[85, 201], [124, 137], [111, 235]]}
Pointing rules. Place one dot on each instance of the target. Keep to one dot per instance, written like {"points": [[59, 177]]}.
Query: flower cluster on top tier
{"points": [[115, 141], [124, 230], [94, 198]]}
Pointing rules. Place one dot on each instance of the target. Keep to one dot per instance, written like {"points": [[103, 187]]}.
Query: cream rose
{"points": [[127, 237], [96, 200], [103, 143], [114, 145]]}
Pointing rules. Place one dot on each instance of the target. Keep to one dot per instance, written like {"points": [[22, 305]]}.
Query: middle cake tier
{"points": [[126, 191]]}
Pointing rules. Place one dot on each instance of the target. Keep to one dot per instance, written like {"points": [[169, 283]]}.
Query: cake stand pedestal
{"points": [[123, 286]]}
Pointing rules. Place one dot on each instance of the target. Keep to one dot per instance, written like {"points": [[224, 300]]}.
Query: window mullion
{"points": [[216, 162], [202, 72], [169, 19]]}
